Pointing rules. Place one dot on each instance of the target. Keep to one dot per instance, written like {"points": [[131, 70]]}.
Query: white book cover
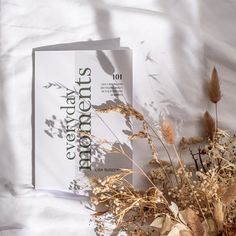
{"points": [[68, 132]]}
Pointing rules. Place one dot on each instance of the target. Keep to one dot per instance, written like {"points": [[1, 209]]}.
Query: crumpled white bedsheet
{"points": [[175, 45]]}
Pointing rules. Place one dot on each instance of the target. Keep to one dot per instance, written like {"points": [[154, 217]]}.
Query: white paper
{"points": [[66, 82]]}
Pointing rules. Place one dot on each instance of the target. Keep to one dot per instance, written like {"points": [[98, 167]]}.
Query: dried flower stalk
{"points": [[215, 92]]}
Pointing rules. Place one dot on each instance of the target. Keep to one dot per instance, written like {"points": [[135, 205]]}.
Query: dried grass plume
{"points": [[214, 87], [168, 132], [209, 124]]}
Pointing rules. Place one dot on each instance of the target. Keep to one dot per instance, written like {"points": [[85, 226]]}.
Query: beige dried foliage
{"points": [[194, 222], [150, 142], [230, 194], [209, 124], [214, 87], [185, 233], [140, 134], [124, 202], [209, 227], [168, 132], [204, 192], [185, 142], [219, 215], [167, 225], [158, 222], [125, 110]]}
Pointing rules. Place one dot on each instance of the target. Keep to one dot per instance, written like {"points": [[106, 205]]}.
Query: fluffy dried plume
{"points": [[194, 222], [214, 87], [185, 142], [219, 215], [209, 124], [168, 132]]}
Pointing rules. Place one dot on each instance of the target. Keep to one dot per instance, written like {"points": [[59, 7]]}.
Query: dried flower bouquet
{"points": [[183, 199]]}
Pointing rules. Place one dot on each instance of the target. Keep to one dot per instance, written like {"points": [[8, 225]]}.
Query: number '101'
{"points": [[117, 76]]}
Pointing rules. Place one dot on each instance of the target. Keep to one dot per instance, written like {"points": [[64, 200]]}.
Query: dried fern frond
{"points": [[214, 87], [209, 124], [168, 132]]}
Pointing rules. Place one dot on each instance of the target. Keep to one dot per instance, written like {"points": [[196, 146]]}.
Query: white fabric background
{"points": [[176, 41]]}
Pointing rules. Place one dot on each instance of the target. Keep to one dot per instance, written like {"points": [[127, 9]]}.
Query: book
{"points": [[71, 140]]}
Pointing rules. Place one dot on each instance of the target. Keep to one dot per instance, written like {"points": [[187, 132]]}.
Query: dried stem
{"points": [[216, 110], [164, 146], [183, 168]]}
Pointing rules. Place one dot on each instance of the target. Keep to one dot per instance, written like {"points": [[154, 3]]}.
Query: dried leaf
{"points": [[100, 213], [214, 87], [167, 225], [176, 229], [230, 194], [158, 222], [219, 215], [209, 124], [185, 233], [194, 222], [174, 208]]}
